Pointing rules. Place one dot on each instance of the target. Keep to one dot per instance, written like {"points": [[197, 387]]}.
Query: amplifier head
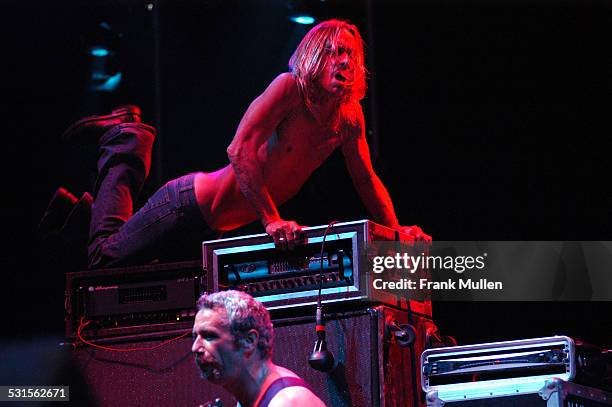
{"points": [[285, 279], [133, 300]]}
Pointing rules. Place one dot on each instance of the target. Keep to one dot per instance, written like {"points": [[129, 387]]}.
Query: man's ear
{"points": [[249, 342]]}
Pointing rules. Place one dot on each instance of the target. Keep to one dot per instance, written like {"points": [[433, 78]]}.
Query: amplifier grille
{"points": [[139, 295]]}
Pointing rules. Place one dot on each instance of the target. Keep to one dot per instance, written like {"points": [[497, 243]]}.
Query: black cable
{"points": [[329, 225], [413, 361], [321, 359]]}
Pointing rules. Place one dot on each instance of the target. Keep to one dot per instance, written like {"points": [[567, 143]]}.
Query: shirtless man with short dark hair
{"points": [[286, 133]]}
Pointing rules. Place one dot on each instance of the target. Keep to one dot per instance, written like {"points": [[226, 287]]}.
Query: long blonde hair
{"points": [[309, 59]]}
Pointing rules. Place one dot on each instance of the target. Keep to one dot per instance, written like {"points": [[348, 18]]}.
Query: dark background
{"points": [[486, 122]]}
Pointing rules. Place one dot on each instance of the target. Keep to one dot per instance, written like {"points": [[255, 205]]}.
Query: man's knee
{"points": [[131, 142]]}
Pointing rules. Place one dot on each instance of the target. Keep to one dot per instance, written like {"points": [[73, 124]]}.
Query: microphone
{"points": [[321, 359]]}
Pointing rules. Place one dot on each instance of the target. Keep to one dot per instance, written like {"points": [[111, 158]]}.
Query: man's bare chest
{"points": [[303, 137]]}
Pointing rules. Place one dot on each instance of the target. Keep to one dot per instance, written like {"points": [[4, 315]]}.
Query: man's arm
{"points": [[369, 187], [258, 123]]}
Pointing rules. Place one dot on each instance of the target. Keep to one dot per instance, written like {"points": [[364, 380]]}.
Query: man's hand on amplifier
{"points": [[285, 233], [415, 232]]}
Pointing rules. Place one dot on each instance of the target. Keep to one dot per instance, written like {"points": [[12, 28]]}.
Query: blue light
{"points": [[99, 52], [110, 84], [303, 19]]}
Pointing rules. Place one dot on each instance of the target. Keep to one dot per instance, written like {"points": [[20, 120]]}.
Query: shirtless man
{"points": [[286, 133], [233, 339]]}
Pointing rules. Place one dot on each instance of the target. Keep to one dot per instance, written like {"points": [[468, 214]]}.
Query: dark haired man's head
{"points": [[230, 326]]}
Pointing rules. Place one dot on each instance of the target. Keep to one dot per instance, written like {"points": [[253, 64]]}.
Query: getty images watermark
{"points": [[409, 263], [491, 270]]}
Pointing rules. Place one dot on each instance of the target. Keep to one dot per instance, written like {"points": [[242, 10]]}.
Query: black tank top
{"points": [[279, 384]]}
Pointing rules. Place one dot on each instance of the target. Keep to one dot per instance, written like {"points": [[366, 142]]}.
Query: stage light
{"points": [[306, 12], [302, 19], [108, 84], [101, 45], [99, 51]]}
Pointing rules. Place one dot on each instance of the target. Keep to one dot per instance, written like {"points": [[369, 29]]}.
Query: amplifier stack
{"points": [[134, 310]]}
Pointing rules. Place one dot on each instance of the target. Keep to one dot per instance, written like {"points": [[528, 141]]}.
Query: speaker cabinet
{"points": [[165, 376], [372, 368]]}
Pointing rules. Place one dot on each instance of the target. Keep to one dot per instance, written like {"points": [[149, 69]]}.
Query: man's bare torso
{"points": [[298, 147]]}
